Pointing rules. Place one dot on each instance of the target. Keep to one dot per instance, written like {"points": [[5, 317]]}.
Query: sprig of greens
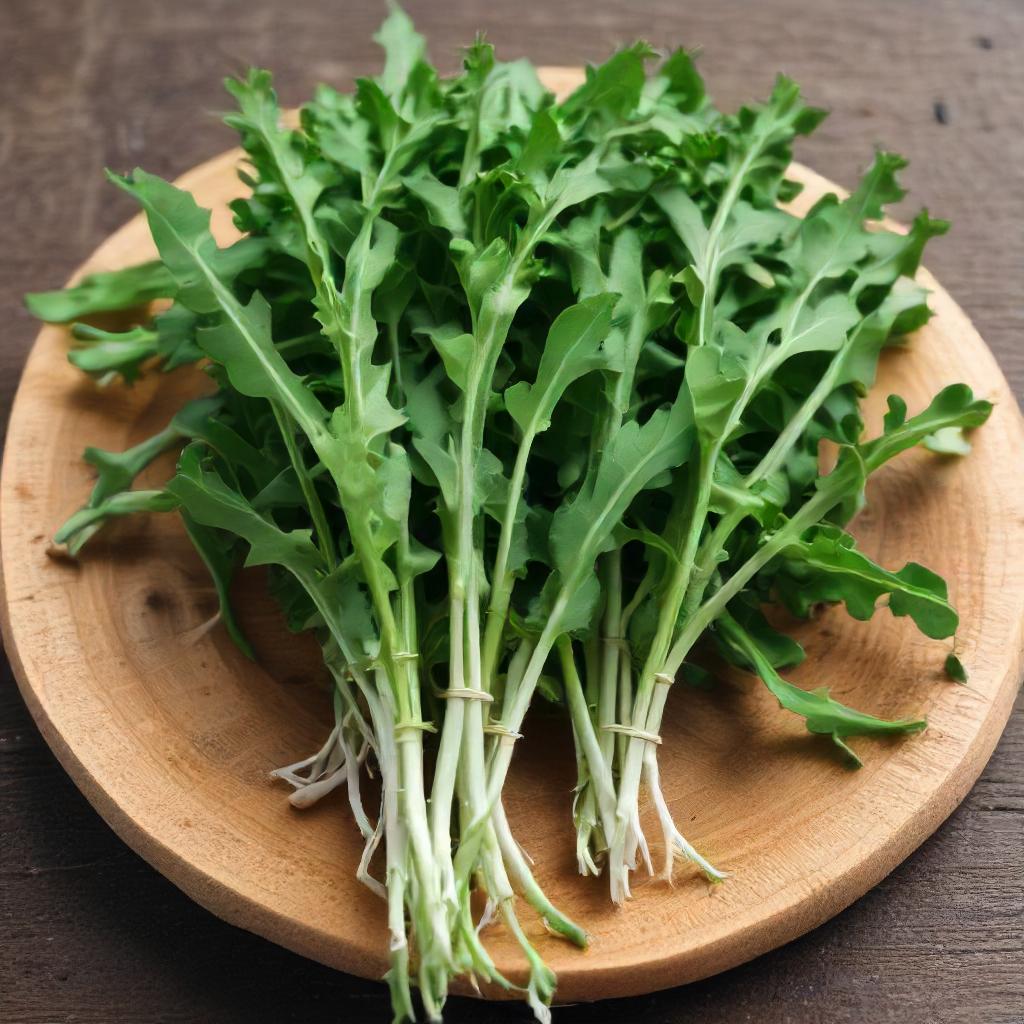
{"points": [[518, 397]]}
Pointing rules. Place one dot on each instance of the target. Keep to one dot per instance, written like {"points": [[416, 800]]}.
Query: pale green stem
{"points": [[501, 579], [704, 316], [522, 876], [446, 763], [611, 642], [321, 528], [583, 729]]}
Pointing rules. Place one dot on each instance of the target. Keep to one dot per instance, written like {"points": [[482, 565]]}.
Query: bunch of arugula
{"points": [[512, 395]]}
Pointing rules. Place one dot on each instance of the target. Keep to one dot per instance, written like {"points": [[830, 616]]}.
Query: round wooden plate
{"points": [[170, 732]]}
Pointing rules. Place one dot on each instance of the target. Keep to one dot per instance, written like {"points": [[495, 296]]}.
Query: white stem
{"points": [[611, 654], [446, 764], [355, 797], [673, 838]]}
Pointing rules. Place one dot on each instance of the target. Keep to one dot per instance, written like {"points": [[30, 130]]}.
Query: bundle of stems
{"points": [[519, 397]]}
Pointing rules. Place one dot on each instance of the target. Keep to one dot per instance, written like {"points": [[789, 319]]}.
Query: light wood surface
{"points": [[170, 732]]}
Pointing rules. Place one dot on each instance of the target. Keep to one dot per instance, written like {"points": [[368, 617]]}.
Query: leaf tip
{"points": [[955, 670]]}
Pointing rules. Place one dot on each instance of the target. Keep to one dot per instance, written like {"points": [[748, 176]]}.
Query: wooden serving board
{"points": [[171, 733]]}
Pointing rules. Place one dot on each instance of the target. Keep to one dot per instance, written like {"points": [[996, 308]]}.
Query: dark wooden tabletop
{"points": [[89, 932]]}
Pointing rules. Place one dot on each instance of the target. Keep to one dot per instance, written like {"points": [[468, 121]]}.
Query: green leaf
{"points": [[833, 238], [955, 669], [104, 292], [954, 406], [572, 348], [825, 566], [491, 99], [176, 337], [116, 472], [79, 527], [242, 340], [480, 269], [221, 562], [442, 202], [377, 109], [858, 361], [652, 541], [780, 650], [577, 615], [697, 677], [429, 416], [687, 220], [683, 85], [716, 377], [611, 89], [403, 346], [823, 715], [635, 457], [456, 349], [442, 464], [104, 353], [543, 140], [819, 328], [208, 500], [404, 48], [349, 601], [243, 344]]}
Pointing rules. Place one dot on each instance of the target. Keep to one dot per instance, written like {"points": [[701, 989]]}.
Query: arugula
{"points": [[104, 292], [824, 716], [514, 396]]}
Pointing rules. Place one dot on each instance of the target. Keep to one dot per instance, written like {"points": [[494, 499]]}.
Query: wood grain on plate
{"points": [[170, 732]]}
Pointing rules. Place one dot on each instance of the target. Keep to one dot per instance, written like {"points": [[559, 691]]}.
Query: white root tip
{"points": [[541, 1011], [487, 916], [196, 633], [309, 794]]}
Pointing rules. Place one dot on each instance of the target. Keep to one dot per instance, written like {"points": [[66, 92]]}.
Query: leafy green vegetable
{"points": [[103, 292], [513, 395], [825, 566], [104, 354], [824, 715], [954, 668]]}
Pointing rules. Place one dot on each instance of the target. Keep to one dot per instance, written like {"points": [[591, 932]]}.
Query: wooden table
{"points": [[89, 932]]}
